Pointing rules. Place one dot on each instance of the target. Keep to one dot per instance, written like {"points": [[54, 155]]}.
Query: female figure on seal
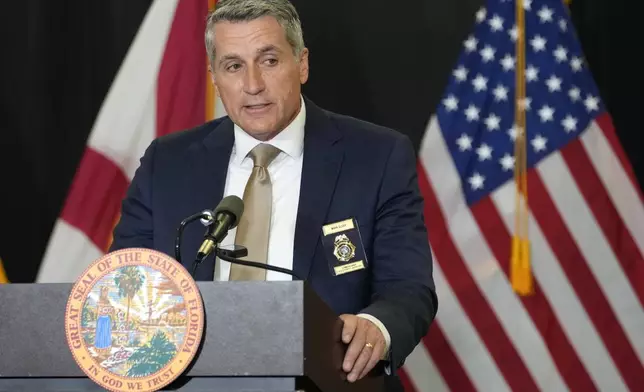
{"points": [[103, 339]]}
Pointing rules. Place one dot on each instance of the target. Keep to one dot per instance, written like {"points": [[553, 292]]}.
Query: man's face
{"points": [[257, 76]]}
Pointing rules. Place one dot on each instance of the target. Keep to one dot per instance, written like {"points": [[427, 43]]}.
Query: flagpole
{"points": [[520, 271]]}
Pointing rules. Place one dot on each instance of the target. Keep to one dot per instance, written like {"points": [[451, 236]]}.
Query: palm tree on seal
{"points": [[129, 281]]}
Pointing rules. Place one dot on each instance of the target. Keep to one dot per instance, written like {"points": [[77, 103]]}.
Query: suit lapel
{"points": [[209, 168], [210, 165], [323, 154]]}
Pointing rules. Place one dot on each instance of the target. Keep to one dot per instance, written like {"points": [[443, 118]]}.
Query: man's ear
{"points": [[304, 65], [213, 79]]}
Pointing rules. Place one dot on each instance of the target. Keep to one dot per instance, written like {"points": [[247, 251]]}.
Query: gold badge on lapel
{"points": [[343, 246], [344, 250]]}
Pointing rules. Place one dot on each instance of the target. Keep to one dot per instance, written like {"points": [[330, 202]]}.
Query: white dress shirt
{"points": [[286, 174]]}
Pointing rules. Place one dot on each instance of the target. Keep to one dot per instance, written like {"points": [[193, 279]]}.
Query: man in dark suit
{"points": [[303, 173]]}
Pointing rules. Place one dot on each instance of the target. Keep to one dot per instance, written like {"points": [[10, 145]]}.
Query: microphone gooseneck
{"points": [[206, 217]]}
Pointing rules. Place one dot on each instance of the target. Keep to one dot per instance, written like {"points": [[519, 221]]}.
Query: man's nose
{"points": [[254, 81]]}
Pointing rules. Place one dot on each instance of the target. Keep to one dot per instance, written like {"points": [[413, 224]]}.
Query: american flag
{"points": [[583, 328]]}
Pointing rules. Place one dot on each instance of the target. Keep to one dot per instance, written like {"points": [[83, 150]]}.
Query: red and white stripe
{"points": [[582, 329], [156, 91]]}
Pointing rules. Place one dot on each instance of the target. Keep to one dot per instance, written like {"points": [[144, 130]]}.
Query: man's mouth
{"points": [[257, 108]]}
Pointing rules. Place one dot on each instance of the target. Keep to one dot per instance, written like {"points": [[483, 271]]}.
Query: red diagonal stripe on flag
{"points": [[583, 282], [565, 358], [606, 125], [447, 363], [618, 237], [469, 295], [94, 200], [181, 89]]}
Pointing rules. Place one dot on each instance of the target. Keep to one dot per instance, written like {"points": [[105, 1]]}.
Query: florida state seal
{"points": [[134, 320]]}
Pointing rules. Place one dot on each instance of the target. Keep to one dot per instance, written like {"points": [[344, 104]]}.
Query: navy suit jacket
{"points": [[351, 169]]}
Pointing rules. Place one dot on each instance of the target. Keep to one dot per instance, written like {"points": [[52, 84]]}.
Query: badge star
{"points": [[464, 143], [476, 181]]}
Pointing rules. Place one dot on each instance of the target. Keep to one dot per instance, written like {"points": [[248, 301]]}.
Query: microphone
{"points": [[226, 217]]}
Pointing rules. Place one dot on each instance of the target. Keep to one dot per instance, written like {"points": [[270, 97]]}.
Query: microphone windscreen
{"points": [[232, 205]]}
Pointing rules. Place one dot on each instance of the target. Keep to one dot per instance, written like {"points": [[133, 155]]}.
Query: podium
{"points": [[258, 336]]}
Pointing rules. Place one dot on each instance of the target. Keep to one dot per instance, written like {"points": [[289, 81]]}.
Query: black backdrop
{"points": [[382, 61]]}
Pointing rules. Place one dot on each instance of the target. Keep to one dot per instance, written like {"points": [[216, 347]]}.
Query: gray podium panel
{"points": [[259, 336]]}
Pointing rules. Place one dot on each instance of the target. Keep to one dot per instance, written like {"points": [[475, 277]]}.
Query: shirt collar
{"points": [[290, 140]]}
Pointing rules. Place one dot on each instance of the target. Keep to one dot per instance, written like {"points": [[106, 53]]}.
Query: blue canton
{"points": [[476, 114]]}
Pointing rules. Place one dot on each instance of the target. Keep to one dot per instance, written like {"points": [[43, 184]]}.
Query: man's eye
{"points": [[233, 67], [270, 62]]}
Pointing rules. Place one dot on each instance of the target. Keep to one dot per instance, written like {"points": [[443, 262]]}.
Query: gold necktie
{"points": [[254, 226]]}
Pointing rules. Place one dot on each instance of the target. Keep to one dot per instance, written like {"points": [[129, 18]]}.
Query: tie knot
{"points": [[263, 154]]}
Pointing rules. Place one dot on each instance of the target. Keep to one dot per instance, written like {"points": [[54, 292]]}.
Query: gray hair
{"points": [[246, 10]]}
